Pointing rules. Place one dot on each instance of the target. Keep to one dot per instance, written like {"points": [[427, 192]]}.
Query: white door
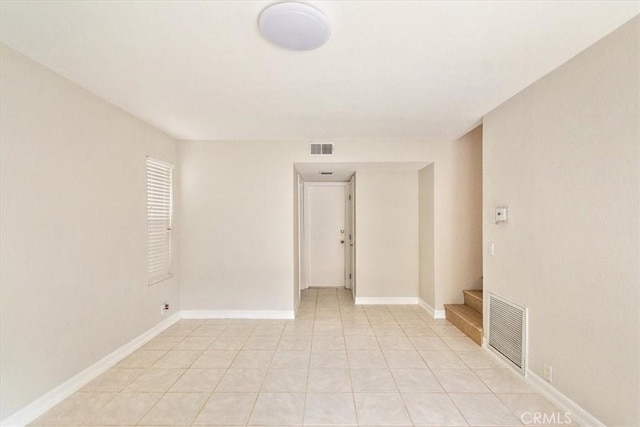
{"points": [[325, 218]]}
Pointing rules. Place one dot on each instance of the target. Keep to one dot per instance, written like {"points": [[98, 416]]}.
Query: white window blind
{"points": [[159, 212]]}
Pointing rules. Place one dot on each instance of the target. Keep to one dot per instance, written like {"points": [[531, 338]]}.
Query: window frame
{"points": [[153, 168]]}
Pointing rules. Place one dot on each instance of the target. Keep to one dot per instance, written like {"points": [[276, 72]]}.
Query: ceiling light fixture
{"points": [[294, 26]]}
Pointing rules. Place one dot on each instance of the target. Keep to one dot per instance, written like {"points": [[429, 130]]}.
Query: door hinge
{"points": [[349, 275], [349, 196]]}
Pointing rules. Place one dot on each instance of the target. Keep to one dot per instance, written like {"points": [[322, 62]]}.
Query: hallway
{"points": [[335, 364]]}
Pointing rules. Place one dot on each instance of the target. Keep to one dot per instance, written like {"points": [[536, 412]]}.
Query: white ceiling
{"points": [[392, 69]]}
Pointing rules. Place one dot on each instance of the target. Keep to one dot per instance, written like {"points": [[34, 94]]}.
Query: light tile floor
{"points": [[335, 364]]}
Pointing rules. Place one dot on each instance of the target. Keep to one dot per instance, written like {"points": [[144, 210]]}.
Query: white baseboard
{"points": [[47, 401], [41, 405], [436, 314], [579, 415], [237, 314], [386, 300]]}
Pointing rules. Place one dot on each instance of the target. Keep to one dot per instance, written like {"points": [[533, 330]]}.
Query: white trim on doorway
{"points": [[300, 243], [306, 225]]}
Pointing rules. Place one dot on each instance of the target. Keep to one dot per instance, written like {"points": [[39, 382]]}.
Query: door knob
{"points": [[341, 241]]}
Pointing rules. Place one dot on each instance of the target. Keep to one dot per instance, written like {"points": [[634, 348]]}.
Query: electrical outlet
{"points": [[548, 373], [164, 308]]}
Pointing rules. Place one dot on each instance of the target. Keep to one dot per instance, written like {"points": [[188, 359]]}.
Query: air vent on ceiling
{"points": [[320, 149], [508, 331], [326, 173]]}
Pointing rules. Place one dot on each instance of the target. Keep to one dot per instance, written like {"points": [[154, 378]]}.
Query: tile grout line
{"points": [[168, 388], [218, 383], [192, 363], [346, 352], [255, 402]]}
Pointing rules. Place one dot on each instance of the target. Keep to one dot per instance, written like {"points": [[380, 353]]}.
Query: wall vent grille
{"points": [[508, 331], [320, 149]]}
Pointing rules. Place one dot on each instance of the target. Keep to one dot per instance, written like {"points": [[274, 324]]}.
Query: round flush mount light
{"points": [[294, 26]]}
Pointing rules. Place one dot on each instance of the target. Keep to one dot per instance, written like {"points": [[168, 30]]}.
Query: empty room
{"points": [[322, 213]]}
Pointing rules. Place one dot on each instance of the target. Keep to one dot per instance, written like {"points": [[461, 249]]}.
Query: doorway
{"points": [[325, 246]]}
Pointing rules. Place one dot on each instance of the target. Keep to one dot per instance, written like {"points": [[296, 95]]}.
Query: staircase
{"points": [[468, 316]]}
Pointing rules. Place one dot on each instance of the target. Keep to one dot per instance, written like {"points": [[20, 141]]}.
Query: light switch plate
{"points": [[501, 215]]}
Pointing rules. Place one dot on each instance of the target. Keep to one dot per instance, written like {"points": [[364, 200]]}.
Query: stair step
{"points": [[466, 319], [473, 299]]}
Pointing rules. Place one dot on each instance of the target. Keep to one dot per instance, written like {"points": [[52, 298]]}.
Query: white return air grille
{"points": [[320, 149], [508, 331]]}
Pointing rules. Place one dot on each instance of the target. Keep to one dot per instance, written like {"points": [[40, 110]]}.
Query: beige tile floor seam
{"points": [[176, 380], [261, 387], [395, 380], [394, 357], [353, 398]]}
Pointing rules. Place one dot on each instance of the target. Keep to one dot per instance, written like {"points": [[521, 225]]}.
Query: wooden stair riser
{"points": [[472, 331], [473, 301]]}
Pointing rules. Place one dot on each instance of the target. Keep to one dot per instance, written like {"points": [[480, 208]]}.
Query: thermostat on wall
{"points": [[501, 215]]}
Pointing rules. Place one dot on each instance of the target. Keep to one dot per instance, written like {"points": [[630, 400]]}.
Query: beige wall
{"points": [[238, 216], [427, 290], [458, 200], [73, 230], [236, 206], [564, 155], [387, 239]]}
